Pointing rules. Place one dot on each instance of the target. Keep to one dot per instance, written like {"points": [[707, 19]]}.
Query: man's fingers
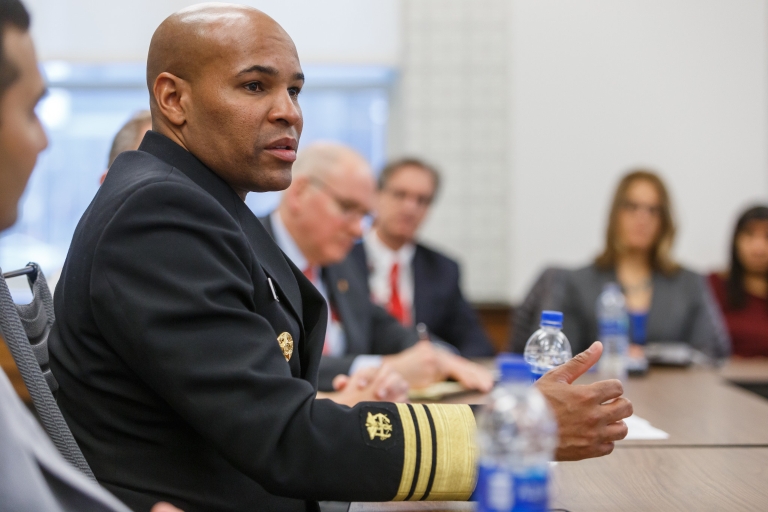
{"points": [[618, 410], [340, 382], [392, 387], [578, 366], [165, 507], [604, 449], [616, 431], [606, 390]]}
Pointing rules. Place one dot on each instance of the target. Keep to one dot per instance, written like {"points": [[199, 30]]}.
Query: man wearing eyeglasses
{"points": [[415, 283], [316, 225]]}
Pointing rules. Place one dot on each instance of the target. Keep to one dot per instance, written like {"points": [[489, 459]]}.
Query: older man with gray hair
{"points": [[316, 225]]}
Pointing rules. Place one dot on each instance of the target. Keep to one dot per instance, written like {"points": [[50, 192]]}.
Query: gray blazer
{"points": [[33, 476], [682, 309]]}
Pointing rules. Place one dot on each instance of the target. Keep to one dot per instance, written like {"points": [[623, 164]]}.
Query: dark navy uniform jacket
{"points": [[172, 378]]}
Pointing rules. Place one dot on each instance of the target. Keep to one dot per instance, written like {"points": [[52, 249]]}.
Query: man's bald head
{"points": [[191, 38], [332, 190], [224, 82], [323, 158]]}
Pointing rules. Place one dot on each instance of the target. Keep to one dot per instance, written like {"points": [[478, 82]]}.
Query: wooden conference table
{"points": [[715, 459]]}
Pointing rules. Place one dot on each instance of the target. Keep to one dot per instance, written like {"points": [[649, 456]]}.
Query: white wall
{"points": [[599, 86], [331, 31], [450, 108]]}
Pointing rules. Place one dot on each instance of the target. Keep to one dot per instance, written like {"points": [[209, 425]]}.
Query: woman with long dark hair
{"points": [[742, 291]]}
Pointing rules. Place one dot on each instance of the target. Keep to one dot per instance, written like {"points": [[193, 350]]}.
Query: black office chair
{"points": [[26, 329]]}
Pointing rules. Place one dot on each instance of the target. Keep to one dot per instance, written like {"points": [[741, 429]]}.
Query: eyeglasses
{"points": [[632, 207], [349, 208], [422, 201]]}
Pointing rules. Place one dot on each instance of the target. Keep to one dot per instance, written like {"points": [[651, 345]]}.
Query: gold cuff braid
{"points": [[439, 462]]}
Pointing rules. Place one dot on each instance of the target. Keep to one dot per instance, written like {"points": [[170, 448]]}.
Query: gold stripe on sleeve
{"points": [[455, 470], [426, 462], [409, 456]]}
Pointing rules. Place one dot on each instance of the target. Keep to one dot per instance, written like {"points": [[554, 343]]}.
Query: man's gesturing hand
{"points": [[589, 418]]}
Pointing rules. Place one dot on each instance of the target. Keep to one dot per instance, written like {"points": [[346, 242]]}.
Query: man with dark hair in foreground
{"points": [[33, 476], [187, 347]]}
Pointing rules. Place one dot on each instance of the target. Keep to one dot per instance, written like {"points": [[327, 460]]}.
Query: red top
{"points": [[748, 326]]}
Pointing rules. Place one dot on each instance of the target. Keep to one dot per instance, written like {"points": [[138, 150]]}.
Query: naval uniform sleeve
{"points": [[173, 293]]}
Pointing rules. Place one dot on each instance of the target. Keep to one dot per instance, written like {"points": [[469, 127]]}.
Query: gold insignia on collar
{"points": [[343, 285], [378, 425], [285, 340]]}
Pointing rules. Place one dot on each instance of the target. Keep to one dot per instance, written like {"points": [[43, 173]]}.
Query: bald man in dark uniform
{"points": [[187, 347]]}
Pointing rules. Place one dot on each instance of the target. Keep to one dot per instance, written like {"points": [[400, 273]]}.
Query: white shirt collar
{"points": [[286, 242], [381, 252]]}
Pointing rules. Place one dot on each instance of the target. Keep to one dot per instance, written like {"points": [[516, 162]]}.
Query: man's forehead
{"points": [[256, 51]]}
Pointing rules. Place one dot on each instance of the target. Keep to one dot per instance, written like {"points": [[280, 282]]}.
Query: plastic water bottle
{"points": [[517, 437], [547, 347], [613, 328]]}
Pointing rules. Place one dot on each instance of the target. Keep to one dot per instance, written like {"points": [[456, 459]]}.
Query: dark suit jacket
{"points": [[171, 377], [682, 309], [368, 329], [438, 302]]}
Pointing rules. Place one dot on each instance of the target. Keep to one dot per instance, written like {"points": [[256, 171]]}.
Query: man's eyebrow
{"points": [[268, 70]]}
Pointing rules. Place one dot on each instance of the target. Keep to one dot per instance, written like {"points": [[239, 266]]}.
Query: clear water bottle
{"points": [[613, 329], [547, 347], [517, 437]]}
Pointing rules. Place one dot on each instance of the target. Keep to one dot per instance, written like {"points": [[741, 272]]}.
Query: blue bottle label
{"points": [[502, 490]]}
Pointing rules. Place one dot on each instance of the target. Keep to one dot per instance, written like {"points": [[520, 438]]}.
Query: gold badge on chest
{"points": [[285, 340]]}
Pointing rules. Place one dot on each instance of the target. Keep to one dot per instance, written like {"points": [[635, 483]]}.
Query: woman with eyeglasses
{"points": [[665, 302], [742, 291]]}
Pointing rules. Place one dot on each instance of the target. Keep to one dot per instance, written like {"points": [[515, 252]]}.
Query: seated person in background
{"points": [[129, 137], [416, 284], [33, 475], [316, 225], [665, 302], [742, 291]]}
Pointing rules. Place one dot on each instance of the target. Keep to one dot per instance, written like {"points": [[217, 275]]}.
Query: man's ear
{"points": [[171, 96]]}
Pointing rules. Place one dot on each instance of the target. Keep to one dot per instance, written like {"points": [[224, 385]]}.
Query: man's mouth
{"points": [[283, 149]]}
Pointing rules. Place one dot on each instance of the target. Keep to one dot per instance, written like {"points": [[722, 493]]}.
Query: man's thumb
{"points": [[579, 365]]}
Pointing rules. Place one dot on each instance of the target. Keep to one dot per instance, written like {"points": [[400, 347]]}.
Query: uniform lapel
{"points": [[271, 258]]}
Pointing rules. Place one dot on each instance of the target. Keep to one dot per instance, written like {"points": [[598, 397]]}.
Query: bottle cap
{"points": [[552, 319], [512, 367]]}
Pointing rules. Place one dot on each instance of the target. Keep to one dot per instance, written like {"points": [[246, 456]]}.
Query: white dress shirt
{"points": [[380, 261]]}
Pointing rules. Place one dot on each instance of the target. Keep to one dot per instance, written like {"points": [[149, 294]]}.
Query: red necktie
{"points": [[309, 274], [395, 306]]}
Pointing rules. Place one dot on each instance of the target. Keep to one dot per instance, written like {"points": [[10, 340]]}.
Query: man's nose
{"points": [[285, 110], [356, 227]]}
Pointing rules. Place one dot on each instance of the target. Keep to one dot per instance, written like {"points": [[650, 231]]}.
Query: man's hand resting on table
{"points": [[589, 417], [424, 364], [165, 507], [369, 385]]}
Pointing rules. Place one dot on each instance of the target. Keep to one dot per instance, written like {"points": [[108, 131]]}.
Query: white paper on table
{"points": [[641, 429]]}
